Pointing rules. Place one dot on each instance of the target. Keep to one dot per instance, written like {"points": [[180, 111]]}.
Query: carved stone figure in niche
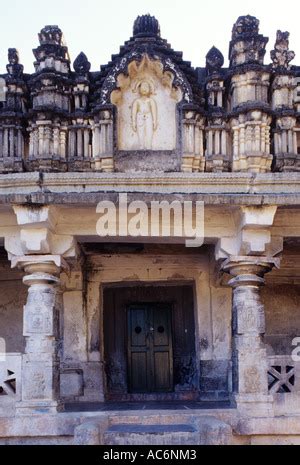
{"points": [[144, 115], [146, 99]]}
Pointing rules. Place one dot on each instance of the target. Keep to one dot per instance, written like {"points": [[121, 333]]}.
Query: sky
{"points": [[99, 27]]}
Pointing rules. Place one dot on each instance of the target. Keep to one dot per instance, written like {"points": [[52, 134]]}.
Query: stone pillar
{"points": [[40, 364], [250, 367]]}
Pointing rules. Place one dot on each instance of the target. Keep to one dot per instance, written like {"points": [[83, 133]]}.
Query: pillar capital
{"points": [[248, 271], [40, 263]]}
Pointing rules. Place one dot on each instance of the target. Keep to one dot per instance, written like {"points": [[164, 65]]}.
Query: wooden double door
{"points": [[150, 352]]}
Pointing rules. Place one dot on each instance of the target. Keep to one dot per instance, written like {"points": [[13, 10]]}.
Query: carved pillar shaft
{"points": [[41, 140], [56, 141], [291, 141], [217, 142], [242, 138], [224, 142], [220, 99], [268, 139], [263, 137], [79, 143], [284, 141], [5, 143], [197, 140], [210, 143], [250, 366], [96, 141], [1, 143], [257, 138], [62, 143], [20, 143], [295, 145], [86, 143], [40, 379], [235, 142], [11, 142], [72, 143]]}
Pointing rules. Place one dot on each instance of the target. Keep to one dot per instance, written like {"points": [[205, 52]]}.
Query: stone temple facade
{"points": [[108, 340]]}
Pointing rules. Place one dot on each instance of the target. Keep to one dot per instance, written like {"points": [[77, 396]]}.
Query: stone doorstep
{"points": [[151, 429], [204, 430]]}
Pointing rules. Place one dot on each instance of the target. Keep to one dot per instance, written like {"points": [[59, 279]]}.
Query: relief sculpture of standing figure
{"points": [[144, 116]]}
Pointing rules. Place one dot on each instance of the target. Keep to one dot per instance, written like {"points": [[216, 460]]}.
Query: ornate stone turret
{"points": [[283, 92], [249, 98], [80, 131], [247, 46], [217, 158], [12, 108], [52, 52], [51, 92]]}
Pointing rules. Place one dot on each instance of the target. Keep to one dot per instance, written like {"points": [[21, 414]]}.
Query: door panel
{"points": [[150, 357], [138, 352], [162, 375], [139, 363]]}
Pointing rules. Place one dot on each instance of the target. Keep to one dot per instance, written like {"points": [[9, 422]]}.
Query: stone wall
{"points": [[12, 299], [282, 304]]}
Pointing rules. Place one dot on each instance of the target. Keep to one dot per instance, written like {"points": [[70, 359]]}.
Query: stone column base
{"points": [[254, 405], [26, 408]]}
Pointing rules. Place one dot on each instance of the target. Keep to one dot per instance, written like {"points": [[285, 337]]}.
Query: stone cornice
{"points": [[213, 188]]}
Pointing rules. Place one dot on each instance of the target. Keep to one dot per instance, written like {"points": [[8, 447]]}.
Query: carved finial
{"points": [[245, 25], [281, 55], [146, 25], [51, 35], [247, 45], [14, 68], [214, 60], [81, 64]]}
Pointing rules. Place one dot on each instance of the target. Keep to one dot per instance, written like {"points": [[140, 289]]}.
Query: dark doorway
{"points": [[149, 343], [150, 355]]}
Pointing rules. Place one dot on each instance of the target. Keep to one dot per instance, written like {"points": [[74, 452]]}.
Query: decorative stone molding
{"points": [[103, 140], [287, 157], [251, 142], [193, 159], [217, 146]]}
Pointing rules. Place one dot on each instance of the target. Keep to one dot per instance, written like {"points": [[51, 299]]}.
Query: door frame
{"points": [[153, 305]]}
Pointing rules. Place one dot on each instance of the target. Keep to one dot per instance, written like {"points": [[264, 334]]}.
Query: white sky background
{"points": [[99, 27]]}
